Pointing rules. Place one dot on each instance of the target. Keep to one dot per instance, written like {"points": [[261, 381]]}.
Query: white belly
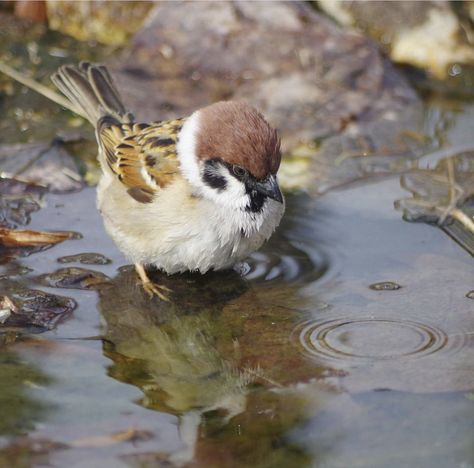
{"points": [[177, 232]]}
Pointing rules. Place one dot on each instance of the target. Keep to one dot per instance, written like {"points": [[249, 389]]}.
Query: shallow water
{"points": [[293, 360], [348, 340]]}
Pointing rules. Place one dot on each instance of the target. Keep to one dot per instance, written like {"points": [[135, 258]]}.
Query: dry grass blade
{"points": [[39, 88]]}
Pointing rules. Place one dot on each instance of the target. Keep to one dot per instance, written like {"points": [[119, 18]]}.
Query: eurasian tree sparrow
{"points": [[195, 193]]}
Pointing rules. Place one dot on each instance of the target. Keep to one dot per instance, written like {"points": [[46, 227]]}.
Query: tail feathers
{"points": [[90, 88]]}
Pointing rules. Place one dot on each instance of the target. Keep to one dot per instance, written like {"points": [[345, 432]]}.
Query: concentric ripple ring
{"points": [[369, 339]]}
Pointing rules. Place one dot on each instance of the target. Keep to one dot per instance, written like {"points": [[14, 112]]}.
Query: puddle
{"points": [[348, 340], [283, 261], [296, 338]]}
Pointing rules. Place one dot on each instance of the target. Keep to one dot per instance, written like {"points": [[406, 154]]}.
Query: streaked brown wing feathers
{"points": [[142, 156]]}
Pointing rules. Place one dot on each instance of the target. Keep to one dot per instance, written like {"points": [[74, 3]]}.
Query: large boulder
{"points": [[311, 79]]}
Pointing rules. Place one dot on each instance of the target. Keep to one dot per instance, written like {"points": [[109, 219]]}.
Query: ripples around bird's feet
{"points": [[289, 263]]}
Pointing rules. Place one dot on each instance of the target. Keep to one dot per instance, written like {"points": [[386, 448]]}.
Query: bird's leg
{"points": [[151, 288]]}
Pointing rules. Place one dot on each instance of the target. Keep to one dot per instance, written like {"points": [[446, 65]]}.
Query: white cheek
{"points": [[233, 196], [186, 147]]}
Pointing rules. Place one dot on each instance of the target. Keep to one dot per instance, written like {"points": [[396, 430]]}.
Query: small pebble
{"points": [[385, 286], [86, 259]]}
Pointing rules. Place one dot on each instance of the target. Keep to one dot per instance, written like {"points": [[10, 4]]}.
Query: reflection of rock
{"points": [[19, 410], [311, 79], [201, 355], [426, 34]]}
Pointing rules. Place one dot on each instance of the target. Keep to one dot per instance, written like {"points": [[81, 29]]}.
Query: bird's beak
{"points": [[269, 187]]}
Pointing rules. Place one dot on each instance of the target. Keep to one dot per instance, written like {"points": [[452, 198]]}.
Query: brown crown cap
{"points": [[237, 133]]}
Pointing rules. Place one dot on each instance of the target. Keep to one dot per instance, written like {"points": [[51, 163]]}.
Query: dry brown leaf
{"points": [[28, 238]]}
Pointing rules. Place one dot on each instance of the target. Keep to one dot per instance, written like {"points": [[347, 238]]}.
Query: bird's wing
{"points": [[142, 156]]}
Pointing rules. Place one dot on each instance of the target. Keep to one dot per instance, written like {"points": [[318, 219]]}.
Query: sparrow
{"points": [[190, 194]]}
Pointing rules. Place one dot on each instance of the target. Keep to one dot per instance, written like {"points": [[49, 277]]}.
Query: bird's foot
{"points": [[151, 288], [159, 290]]}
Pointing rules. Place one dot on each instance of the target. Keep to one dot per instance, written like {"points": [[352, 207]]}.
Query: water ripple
{"points": [[287, 262], [371, 339]]}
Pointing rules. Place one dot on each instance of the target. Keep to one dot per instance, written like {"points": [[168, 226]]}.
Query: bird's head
{"points": [[230, 154]]}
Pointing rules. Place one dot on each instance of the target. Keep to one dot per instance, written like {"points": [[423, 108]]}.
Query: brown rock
{"points": [[310, 79]]}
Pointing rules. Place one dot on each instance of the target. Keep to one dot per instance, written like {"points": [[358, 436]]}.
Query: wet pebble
{"points": [[74, 278], [31, 310], [87, 258], [11, 269], [385, 286]]}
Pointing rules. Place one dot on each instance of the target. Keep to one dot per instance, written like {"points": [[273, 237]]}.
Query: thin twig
{"points": [[463, 219], [39, 88]]}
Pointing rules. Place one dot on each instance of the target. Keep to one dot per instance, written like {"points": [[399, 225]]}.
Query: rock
{"points": [[431, 35], [47, 164], [96, 20], [74, 278], [442, 195], [31, 311], [86, 259], [312, 80]]}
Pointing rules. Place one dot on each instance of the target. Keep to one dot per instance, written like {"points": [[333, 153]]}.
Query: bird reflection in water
{"points": [[198, 356]]}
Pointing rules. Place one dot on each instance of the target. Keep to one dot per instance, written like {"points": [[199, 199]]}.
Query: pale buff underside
{"points": [[179, 232]]}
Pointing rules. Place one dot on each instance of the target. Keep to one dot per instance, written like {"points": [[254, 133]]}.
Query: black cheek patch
{"points": [[257, 200], [211, 178]]}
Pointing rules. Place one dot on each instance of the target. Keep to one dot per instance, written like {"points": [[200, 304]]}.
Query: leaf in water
{"points": [[28, 238]]}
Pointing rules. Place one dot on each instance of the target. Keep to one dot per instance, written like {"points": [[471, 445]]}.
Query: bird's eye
{"points": [[239, 171]]}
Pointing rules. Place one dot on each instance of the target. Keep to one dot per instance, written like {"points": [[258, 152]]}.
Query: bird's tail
{"points": [[91, 90]]}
